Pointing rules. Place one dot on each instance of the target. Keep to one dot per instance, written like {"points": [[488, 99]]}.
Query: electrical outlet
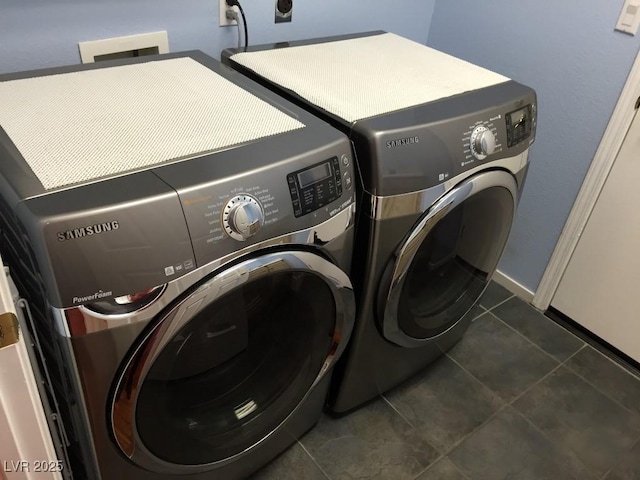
{"points": [[224, 21], [284, 9]]}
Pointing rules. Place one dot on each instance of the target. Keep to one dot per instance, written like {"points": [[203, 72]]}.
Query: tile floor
{"points": [[518, 398]]}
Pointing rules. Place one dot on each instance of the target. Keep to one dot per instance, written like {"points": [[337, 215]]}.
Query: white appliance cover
{"points": [[81, 126], [368, 76]]}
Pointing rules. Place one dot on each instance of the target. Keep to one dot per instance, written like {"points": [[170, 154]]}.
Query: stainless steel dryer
{"points": [[441, 148], [183, 238]]}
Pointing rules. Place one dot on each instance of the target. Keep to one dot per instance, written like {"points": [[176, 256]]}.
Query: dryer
{"points": [[183, 239], [441, 147]]}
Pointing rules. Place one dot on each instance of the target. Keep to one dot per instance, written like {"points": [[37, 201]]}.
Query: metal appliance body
{"points": [[189, 313], [438, 184]]}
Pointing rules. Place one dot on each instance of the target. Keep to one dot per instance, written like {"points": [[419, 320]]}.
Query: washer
{"points": [[183, 238], [441, 148]]}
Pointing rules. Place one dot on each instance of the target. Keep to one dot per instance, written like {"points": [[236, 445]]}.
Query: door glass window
{"points": [[237, 369], [454, 262]]}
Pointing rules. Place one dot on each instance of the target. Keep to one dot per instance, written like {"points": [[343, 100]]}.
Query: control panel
{"points": [[314, 187], [237, 211], [485, 137], [519, 125]]}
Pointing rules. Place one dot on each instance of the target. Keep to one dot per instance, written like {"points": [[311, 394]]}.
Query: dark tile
{"points": [[475, 312], [493, 295], [629, 468], [576, 416], [445, 403], [545, 333], [500, 358], [444, 469], [509, 447], [373, 442], [293, 464], [608, 377]]}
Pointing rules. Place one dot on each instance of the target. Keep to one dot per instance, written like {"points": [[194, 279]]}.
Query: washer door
{"points": [[224, 367], [444, 264]]}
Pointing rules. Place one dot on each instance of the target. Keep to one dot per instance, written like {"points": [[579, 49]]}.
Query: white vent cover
{"points": [[368, 76], [82, 126]]}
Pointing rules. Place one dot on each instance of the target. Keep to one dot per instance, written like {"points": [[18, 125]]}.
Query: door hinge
{"points": [[9, 330], [637, 103]]}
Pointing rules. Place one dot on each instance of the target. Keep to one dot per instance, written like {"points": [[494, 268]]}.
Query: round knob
{"points": [[242, 217], [483, 142]]}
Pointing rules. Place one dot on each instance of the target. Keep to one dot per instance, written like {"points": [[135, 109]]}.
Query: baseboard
{"points": [[513, 286]]}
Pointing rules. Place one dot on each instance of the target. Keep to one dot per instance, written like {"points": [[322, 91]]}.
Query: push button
{"points": [[348, 182], [345, 160]]}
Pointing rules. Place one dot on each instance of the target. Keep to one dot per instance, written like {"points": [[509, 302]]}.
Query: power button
{"points": [[345, 160]]}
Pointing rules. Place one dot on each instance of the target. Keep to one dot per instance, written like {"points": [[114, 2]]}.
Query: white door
{"points": [[26, 449], [600, 288]]}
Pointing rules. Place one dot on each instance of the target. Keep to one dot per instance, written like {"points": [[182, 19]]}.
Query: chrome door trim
{"points": [[122, 408], [77, 321], [382, 208], [406, 252]]}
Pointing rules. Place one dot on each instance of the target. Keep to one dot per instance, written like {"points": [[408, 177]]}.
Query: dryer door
{"points": [[444, 264], [223, 368]]}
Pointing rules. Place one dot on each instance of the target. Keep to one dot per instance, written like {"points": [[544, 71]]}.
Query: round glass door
{"points": [[445, 263], [238, 356]]}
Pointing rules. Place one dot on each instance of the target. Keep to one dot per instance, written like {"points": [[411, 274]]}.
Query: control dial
{"points": [[483, 142], [242, 217]]}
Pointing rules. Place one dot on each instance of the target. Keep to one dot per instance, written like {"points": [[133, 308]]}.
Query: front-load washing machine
{"points": [[441, 147], [182, 237]]}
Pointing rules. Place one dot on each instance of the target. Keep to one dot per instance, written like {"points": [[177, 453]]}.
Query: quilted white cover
{"points": [[81, 126], [368, 76]]}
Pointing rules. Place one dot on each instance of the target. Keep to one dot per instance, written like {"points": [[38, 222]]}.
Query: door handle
{"points": [[9, 329]]}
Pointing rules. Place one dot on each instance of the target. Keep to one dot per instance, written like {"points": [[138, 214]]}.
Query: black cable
{"points": [[236, 3]]}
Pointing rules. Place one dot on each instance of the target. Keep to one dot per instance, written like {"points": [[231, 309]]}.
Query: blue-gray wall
{"points": [[566, 50], [43, 33]]}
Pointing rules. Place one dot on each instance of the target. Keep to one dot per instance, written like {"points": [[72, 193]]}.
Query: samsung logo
{"points": [[96, 296], [402, 141], [88, 231]]}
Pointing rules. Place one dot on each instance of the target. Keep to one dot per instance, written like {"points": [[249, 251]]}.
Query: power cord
{"points": [[236, 3]]}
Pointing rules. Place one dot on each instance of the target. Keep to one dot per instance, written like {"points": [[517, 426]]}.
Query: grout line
{"points": [[621, 460], [458, 470], [484, 310], [313, 459], [440, 457], [396, 410], [552, 442], [537, 429], [463, 439], [563, 363], [595, 387], [485, 386], [533, 343], [618, 365], [499, 303], [500, 410]]}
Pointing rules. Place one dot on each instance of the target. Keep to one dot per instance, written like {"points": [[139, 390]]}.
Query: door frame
{"points": [[594, 181]]}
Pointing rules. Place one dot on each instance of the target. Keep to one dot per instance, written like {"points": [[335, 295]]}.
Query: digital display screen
{"points": [[518, 118], [314, 175]]}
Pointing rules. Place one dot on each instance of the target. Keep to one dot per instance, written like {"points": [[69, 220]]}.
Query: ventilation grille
{"points": [[18, 255]]}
